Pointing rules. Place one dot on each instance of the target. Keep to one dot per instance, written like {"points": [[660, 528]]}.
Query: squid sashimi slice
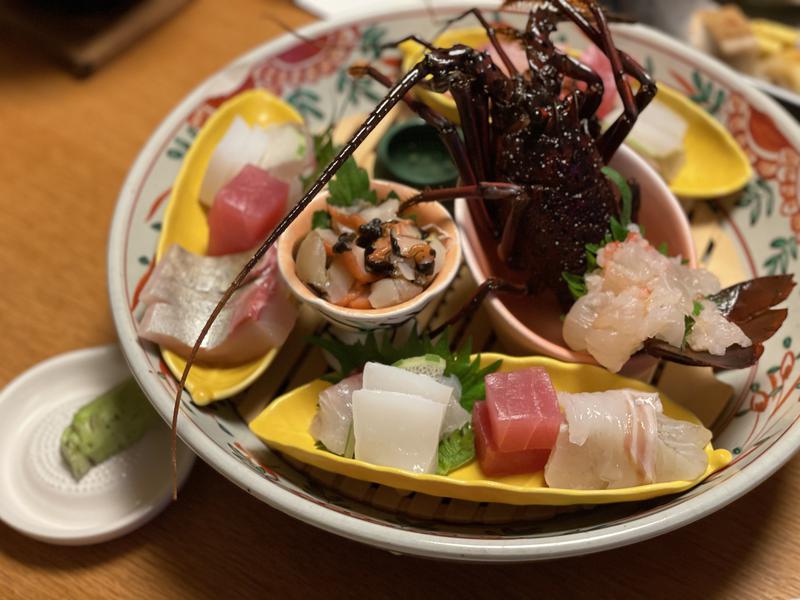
{"points": [[523, 409], [258, 317], [394, 379], [245, 210], [334, 419], [397, 430], [620, 438], [493, 461]]}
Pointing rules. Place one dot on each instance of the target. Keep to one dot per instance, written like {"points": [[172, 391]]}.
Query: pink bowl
{"points": [[533, 324]]}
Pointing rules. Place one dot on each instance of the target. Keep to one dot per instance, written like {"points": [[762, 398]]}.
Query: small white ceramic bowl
{"points": [[535, 326], [429, 213]]}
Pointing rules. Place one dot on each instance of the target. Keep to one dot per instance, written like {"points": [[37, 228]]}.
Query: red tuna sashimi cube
{"points": [[245, 210], [493, 461], [523, 409]]}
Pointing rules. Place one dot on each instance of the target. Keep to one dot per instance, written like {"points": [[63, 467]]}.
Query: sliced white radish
{"points": [[394, 379], [287, 146], [228, 158], [397, 430]]}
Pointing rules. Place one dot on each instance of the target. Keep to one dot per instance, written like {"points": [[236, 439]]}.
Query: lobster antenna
{"points": [[409, 80]]}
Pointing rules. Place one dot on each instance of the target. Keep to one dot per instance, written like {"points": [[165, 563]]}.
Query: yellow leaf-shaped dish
{"points": [[284, 426], [185, 223], [715, 164]]}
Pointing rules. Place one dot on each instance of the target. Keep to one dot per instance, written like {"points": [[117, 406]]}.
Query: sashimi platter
{"points": [[573, 335]]}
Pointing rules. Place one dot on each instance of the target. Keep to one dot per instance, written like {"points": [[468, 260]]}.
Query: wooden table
{"points": [[66, 146]]}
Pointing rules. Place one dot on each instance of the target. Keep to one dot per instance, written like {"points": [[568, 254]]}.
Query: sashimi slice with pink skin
{"points": [[258, 317], [494, 462], [245, 210], [523, 409], [178, 269]]}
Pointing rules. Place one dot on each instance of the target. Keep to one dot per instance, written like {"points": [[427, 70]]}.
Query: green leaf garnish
{"points": [[618, 232], [324, 153], [350, 185], [626, 196], [321, 219], [353, 357], [688, 321], [688, 325], [663, 248], [456, 450], [575, 283]]}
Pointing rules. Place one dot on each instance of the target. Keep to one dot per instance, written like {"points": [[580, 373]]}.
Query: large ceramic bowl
{"points": [[760, 232]]}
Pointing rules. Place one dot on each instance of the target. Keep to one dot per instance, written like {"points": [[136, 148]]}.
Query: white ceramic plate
{"points": [[758, 426], [40, 498]]}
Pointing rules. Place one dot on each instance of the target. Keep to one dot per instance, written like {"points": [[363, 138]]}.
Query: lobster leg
{"points": [[621, 64], [492, 284], [395, 95], [409, 38], [491, 33], [474, 194], [484, 190], [447, 129]]}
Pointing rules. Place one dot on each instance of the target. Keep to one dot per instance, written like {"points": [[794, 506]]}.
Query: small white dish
{"points": [[39, 496]]}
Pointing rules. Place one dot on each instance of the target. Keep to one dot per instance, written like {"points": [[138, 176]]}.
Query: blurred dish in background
{"points": [[763, 48], [759, 47]]}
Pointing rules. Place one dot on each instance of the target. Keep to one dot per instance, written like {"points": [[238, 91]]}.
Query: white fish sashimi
{"points": [[636, 294], [258, 317], [713, 333], [397, 430], [621, 438], [393, 379], [456, 416], [334, 419]]}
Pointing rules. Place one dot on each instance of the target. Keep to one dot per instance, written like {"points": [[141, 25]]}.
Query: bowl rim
{"points": [[542, 344], [450, 546], [430, 211]]}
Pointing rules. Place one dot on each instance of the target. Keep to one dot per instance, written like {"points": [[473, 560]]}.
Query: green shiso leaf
{"points": [[321, 219], [617, 232], [456, 450], [350, 185], [353, 357], [575, 283], [324, 153], [626, 196]]}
